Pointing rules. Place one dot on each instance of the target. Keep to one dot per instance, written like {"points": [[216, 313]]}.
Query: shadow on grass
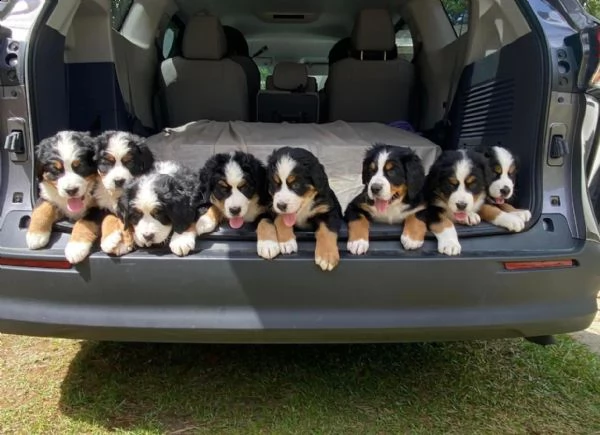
{"points": [[486, 386]]}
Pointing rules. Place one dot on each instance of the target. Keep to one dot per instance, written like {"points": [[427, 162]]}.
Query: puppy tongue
{"points": [[381, 205], [460, 216], [236, 222], [289, 219], [74, 205], [499, 200]]}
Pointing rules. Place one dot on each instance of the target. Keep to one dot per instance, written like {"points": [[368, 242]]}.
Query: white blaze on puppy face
{"points": [[234, 176], [149, 230], [285, 195], [70, 181], [462, 171], [118, 148], [504, 182], [379, 179]]}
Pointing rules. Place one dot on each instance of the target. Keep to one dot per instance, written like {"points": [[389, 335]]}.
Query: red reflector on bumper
{"points": [[524, 265], [28, 262]]}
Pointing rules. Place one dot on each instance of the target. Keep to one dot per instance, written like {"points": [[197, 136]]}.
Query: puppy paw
{"points": [[449, 246], [182, 244], [206, 224], [327, 259], [76, 252], [288, 247], [37, 240], [114, 244], [410, 244], [358, 247], [524, 215], [268, 249], [472, 219], [510, 221]]}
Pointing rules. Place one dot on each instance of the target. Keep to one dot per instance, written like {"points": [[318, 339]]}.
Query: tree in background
{"points": [[592, 6]]}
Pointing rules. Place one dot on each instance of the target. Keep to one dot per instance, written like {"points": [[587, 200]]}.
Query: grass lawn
{"points": [[59, 386]]}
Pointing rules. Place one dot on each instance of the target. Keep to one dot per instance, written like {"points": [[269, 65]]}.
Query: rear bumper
{"points": [[225, 293]]}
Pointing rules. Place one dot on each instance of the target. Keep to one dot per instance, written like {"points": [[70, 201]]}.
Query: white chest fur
{"points": [[395, 214]]}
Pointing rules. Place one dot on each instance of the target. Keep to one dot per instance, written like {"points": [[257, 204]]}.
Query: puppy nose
{"points": [[148, 236], [119, 182], [282, 206], [376, 188], [73, 191], [505, 191], [461, 205], [235, 210]]}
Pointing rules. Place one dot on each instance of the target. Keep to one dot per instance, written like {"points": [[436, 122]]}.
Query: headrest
{"points": [[204, 38], [373, 31], [290, 76]]}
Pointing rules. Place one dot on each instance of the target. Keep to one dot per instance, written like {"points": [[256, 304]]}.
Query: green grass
{"points": [[59, 386]]}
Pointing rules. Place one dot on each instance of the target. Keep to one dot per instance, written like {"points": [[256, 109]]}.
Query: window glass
{"points": [[119, 10], [458, 14], [404, 44]]}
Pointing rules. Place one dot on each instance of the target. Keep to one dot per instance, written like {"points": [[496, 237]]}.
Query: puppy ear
{"points": [[319, 176], [415, 175], [483, 164], [100, 143], [146, 157], [122, 211]]}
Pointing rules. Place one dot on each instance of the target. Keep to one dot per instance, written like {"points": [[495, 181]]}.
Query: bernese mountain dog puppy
{"points": [[393, 179], [501, 188], [302, 198], [68, 175], [455, 190], [164, 201], [236, 185], [121, 156]]}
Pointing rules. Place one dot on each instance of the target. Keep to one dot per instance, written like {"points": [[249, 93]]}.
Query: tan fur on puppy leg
{"points": [[267, 245], [358, 236], [85, 232], [413, 235], [115, 240], [40, 225], [285, 236], [209, 221], [327, 255]]}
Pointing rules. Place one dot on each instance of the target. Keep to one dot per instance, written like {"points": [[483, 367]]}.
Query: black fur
{"points": [[308, 172], [141, 160], [408, 170], [179, 195]]}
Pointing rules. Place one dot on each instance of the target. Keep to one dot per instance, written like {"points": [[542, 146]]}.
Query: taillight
{"points": [[548, 264], [28, 262], [589, 71]]}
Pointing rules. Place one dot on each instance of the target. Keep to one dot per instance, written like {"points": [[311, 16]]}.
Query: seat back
{"points": [[203, 83], [291, 96], [373, 85]]}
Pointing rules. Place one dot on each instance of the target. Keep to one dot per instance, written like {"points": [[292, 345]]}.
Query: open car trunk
{"points": [[339, 146]]}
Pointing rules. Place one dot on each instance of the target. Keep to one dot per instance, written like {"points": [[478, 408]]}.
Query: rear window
{"points": [[458, 14]]}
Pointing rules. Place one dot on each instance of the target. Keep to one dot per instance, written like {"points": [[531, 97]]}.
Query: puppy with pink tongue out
{"points": [[68, 177], [235, 183], [302, 198]]}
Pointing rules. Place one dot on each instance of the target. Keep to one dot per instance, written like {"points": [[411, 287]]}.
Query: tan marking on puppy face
{"points": [[219, 204], [358, 229], [43, 217], [470, 179], [439, 227], [414, 228], [126, 158], [289, 180], [47, 178], [284, 233], [58, 165], [511, 170], [399, 191]]}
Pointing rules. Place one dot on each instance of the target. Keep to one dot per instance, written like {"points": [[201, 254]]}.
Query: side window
{"points": [[404, 44], [171, 39], [119, 10], [458, 14]]}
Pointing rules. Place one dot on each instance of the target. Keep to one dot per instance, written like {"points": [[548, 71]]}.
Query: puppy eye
{"points": [[126, 158], [373, 167], [75, 164], [223, 183], [295, 185], [276, 180], [498, 169], [453, 181], [241, 185]]}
